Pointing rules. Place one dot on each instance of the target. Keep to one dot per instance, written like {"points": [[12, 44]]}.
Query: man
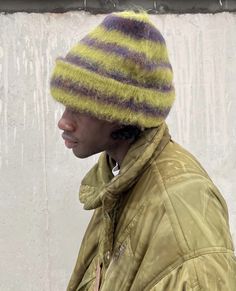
{"points": [[159, 223]]}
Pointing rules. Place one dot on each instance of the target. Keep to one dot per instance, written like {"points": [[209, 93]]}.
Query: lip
{"points": [[70, 142]]}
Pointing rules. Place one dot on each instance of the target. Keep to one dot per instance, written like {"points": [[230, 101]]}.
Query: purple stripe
{"points": [[81, 62], [77, 89], [138, 58], [134, 28]]}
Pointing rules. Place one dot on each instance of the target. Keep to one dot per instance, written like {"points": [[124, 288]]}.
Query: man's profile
{"points": [[159, 224]]}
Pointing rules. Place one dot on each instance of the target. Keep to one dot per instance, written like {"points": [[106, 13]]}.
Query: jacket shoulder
{"points": [[184, 223], [175, 161], [195, 207]]}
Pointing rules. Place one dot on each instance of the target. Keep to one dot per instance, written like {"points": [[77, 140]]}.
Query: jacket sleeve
{"points": [[209, 272]]}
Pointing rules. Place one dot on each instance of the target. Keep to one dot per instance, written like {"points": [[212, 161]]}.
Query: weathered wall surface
{"points": [[41, 221]]}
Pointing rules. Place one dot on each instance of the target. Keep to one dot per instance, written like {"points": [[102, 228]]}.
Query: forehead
{"points": [[87, 117]]}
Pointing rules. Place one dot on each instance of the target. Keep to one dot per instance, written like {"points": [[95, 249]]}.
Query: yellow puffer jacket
{"points": [[160, 225]]}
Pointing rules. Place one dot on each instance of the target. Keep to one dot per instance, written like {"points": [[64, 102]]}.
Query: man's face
{"points": [[86, 135]]}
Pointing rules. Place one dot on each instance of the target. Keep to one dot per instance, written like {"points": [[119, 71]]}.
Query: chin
{"points": [[80, 155], [86, 154]]}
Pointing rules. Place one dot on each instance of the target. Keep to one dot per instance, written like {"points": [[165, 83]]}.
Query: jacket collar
{"points": [[99, 187]]}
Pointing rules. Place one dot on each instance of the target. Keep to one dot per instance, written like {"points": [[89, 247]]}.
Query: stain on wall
{"points": [[41, 220]]}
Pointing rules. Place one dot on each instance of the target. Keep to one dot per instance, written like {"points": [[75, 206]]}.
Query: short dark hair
{"points": [[126, 132]]}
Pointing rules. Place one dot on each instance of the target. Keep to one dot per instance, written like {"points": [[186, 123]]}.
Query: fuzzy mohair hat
{"points": [[118, 72]]}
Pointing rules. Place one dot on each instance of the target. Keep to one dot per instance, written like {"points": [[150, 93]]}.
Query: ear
{"points": [[116, 126], [115, 130]]}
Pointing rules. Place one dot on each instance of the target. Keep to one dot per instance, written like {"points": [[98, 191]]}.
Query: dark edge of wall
{"points": [[102, 11], [108, 6]]}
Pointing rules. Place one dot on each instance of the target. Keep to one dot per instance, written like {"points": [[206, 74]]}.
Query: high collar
{"points": [[99, 187]]}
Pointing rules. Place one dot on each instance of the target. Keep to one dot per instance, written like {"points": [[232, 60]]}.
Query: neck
{"points": [[119, 151]]}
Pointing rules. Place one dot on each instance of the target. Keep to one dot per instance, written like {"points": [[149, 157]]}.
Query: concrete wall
{"points": [[41, 220]]}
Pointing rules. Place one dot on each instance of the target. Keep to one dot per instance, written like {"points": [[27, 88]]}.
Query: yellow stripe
{"points": [[104, 111], [111, 87], [110, 61], [153, 50]]}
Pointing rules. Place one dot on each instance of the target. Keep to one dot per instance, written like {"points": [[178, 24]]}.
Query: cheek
{"points": [[94, 136]]}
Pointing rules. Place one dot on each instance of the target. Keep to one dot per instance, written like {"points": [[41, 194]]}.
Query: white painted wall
{"points": [[41, 221]]}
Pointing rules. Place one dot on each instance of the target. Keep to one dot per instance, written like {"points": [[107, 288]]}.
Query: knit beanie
{"points": [[118, 72]]}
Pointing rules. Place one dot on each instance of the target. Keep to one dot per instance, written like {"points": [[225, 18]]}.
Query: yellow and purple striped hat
{"points": [[118, 72]]}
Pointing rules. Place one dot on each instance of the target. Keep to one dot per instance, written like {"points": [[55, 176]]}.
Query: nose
{"points": [[66, 122]]}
